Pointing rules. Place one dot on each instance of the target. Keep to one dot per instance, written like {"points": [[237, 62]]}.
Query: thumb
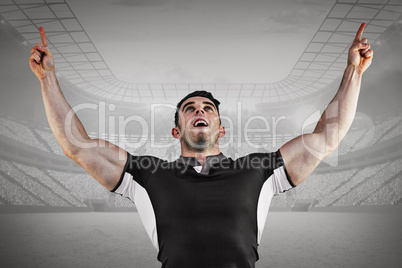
{"points": [[47, 57], [45, 50], [358, 46]]}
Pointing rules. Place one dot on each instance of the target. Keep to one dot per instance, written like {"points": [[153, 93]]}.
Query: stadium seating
{"points": [[389, 194], [123, 202], [20, 132], [81, 186], [382, 127], [15, 194], [279, 201], [320, 186], [357, 138], [370, 185], [32, 186], [51, 141], [378, 184], [348, 144], [51, 184], [396, 131]]}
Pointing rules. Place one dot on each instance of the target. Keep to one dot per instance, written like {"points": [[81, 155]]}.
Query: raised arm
{"points": [[303, 154], [103, 160]]}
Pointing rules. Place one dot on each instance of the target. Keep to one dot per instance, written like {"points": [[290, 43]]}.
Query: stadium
{"points": [[274, 66]]}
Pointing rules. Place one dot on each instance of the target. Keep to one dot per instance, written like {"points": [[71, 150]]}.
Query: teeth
{"points": [[200, 122]]}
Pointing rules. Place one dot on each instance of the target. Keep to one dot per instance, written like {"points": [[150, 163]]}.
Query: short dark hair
{"points": [[198, 93]]}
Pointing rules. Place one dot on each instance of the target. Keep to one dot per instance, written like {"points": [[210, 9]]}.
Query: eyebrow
{"points": [[192, 102], [188, 103]]}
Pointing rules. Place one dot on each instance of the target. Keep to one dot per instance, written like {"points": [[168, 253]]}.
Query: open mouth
{"points": [[200, 123]]}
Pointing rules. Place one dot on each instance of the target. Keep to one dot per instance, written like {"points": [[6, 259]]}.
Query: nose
{"points": [[199, 110]]}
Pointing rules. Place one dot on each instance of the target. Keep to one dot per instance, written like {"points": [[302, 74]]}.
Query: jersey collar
{"points": [[209, 162]]}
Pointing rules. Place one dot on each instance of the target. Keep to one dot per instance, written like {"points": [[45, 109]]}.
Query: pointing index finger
{"points": [[360, 32], [42, 36]]}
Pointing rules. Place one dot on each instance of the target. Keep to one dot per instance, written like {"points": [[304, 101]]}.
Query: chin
{"points": [[197, 144], [199, 141]]}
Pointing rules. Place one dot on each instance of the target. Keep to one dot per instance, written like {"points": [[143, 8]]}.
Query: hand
{"points": [[41, 59], [360, 54]]}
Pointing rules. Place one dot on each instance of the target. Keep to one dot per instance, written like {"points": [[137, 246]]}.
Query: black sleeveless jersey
{"points": [[209, 216]]}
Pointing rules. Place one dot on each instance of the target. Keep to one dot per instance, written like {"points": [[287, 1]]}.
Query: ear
{"points": [[176, 132], [222, 132]]}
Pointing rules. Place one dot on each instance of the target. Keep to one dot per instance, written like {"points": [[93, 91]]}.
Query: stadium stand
{"points": [[348, 144], [123, 202], [358, 138], [4, 130], [346, 187], [36, 188], [374, 185], [389, 194], [382, 128], [20, 132], [81, 186], [370, 184], [279, 201], [14, 194], [51, 141], [319, 186], [51, 184], [367, 184], [395, 131]]}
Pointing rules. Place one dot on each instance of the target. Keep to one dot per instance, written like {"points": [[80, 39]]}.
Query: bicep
{"points": [[303, 154], [102, 160]]}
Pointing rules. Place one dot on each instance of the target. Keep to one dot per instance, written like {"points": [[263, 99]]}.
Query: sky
{"points": [[180, 41]]}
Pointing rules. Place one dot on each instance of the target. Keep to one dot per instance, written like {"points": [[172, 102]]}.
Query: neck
{"points": [[200, 155]]}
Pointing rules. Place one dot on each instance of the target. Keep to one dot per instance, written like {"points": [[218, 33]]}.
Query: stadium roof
{"points": [[82, 57]]}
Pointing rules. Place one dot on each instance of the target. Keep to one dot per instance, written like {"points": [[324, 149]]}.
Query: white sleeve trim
{"points": [[126, 187], [131, 189], [264, 200], [277, 183], [280, 181]]}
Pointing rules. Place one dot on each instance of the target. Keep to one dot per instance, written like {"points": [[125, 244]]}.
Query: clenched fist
{"points": [[41, 59]]}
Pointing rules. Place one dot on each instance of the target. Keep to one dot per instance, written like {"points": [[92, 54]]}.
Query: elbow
{"points": [[328, 142], [332, 141], [71, 152], [332, 145], [74, 151], [331, 136]]}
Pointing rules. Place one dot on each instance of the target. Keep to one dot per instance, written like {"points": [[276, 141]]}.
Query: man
{"points": [[203, 210]]}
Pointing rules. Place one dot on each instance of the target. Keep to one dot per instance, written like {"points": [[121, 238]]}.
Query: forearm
{"points": [[303, 154], [339, 114], [63, 122]]}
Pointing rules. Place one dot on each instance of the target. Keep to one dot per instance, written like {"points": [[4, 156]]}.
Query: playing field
{"points": [[291, 239]]}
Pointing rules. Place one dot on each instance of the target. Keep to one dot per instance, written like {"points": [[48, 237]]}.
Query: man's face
{"points": [[199, 124]]}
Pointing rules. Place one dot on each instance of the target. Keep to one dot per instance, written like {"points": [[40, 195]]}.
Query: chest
{"points": [[192, 195]]}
